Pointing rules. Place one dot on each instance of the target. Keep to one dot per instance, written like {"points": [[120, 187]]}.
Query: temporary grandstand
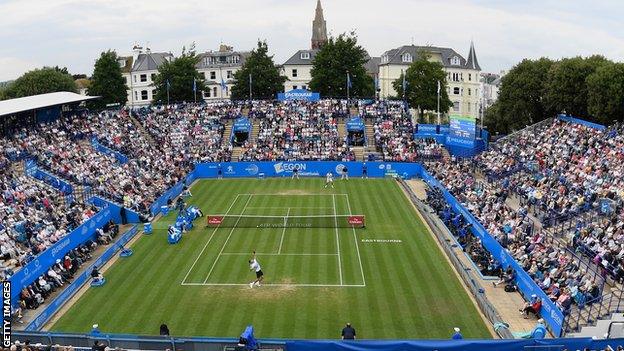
{"points": [[29, 110], [410, 254]]}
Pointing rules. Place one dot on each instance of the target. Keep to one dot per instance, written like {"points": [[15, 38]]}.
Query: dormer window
{"points": [[406, 57], [305, 55], [455, 61]]}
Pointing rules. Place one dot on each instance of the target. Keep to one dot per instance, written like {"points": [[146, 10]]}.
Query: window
{"points": [[207, 93], [227, 91], [470, 77], [456, 106], [304, 87], [143, 94], [135, 78], [213, 75], [455, 61], [229, 74], [406, 57], [469, 91], [153, 93], [294, 87], [153, 76], [136, 95], [294, 73], [205, 75], [235, 59], [143, 77], [456, 91], [305, 55], [455, 77]]}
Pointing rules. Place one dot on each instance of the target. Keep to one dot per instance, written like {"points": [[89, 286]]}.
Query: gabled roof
{"points": [[35, 102], [150, 61], [297, 60], [447, 54]]}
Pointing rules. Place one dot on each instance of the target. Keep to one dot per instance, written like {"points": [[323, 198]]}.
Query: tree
{"points": [[179, 74], [107, 81], [605, 93], [41, 81], [566, 88], [421, 85], [521, 97], [333, 61], [266, 80]]}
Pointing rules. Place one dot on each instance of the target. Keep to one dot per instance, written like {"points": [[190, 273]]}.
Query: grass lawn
{"points": [[390, 280]]}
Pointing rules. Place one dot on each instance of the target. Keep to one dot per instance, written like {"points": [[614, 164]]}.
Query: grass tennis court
{"points": [[390, 279]]}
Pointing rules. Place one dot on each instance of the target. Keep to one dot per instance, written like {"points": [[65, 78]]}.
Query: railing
{"points": [[593, 310], [467, 273], [617, 332], [528, 128]]}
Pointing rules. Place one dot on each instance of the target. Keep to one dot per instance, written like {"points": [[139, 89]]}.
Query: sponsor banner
{"points": [[357, 221], [242, 125], [51, 180], [462, 131], [355, 124], [304, 169], [214, 221], [40, 264], [121, 158], [299, 94], [78, 281], [552, 315]]}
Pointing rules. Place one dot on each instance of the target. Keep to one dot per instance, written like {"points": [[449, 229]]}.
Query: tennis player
{"points": [[329, 180], [255, 266]]}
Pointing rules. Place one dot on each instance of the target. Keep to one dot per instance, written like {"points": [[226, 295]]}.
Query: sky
{"points": [[72, 33]]}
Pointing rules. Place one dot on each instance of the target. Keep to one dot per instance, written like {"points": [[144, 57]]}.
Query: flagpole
{"points": [[195, 90], [249, 86], [438, 102], [168, 91], [347, 90]]}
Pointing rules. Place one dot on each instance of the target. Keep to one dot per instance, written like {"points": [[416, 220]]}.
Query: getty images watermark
{"points": [[6, 314]]}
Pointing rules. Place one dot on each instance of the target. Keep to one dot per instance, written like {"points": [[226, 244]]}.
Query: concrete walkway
{"points": [[507, 304]]}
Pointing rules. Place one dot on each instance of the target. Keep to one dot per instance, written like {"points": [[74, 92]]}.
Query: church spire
{"points": [[319, 28], [472, 62]]}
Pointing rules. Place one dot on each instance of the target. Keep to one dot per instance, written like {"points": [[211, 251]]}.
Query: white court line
{"points": [[228, 239], [208, 242], [337, 238], [281, 208], [277, 254], [283, 231], [357, 246], [278, 285], [294, 194]]}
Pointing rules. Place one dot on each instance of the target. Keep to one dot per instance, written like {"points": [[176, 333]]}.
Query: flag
{"points": [[404, 83], [349, 81], [438, 87], [223, 86], [194, 85]]}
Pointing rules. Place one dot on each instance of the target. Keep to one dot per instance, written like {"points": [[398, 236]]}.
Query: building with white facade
{"points": [[140, 78], [218, 68], [490, 86], [463, 75]]}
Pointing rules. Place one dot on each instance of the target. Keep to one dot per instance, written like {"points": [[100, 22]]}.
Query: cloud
{"points": [[72, 33]]}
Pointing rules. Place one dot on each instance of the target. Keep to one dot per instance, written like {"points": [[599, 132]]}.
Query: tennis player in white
{"points": [[255, 266], [329, 180]]}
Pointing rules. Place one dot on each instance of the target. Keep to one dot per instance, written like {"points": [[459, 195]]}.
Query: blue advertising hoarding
{"points": [[462, 131], [298, 94], [355, 124]]}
